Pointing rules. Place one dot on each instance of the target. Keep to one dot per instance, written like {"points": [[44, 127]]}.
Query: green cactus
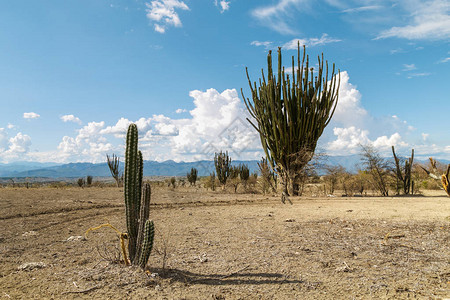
{"points": [[291, 113], [222, 163], [137, 203], [147, 243]]}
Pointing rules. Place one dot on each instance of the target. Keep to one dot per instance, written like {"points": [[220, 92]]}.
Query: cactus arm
{"points": [[147, 244], [143, 217]]}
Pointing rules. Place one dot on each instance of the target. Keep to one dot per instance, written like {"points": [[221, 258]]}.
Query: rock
{"points": [[29, 233], [75, 238], [31, 266], [289, 220]]}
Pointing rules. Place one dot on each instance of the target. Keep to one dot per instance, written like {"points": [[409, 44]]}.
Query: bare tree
{"points": [[332, 177], [378, 168]]}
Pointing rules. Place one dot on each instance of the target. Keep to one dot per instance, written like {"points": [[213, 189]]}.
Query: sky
{"points": [[75, 74]]}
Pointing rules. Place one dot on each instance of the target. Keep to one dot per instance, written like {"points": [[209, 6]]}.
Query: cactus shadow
{"points": [[238, 278]]}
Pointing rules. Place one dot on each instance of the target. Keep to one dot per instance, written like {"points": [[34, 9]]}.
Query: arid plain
{"points": [[222, 245]]}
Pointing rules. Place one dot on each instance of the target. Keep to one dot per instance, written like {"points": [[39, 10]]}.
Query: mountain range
{"points": [[151, 168]]}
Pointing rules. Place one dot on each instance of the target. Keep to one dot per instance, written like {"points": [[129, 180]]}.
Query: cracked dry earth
{"points": [[225, 246]]}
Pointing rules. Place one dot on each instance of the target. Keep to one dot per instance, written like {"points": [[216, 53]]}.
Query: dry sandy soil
{"points": [[213, 245]]}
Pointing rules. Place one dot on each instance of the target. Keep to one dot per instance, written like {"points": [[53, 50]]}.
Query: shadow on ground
{"points": [[235, 278]]}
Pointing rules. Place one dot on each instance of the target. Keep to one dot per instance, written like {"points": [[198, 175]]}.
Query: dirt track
{"points": [[227, 246]]}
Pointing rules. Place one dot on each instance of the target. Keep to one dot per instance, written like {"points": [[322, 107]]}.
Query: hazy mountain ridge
{"points": [[152, 168]]}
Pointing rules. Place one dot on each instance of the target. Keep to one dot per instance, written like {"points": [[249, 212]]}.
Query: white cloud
{"points": [[15, 147], [350, 139], [276, 16], [70, 118], [349, 110], [120, 129], [20, 143], [362, 8], [265, 44], [166, 129], [444, 60], [429, 20], [30, 115], [423, 74], [180, 110], [410, 67], [163, 13], [425, 136], [310, 42], [10, 126], [224, 5], [3, 139], [386, 143]]}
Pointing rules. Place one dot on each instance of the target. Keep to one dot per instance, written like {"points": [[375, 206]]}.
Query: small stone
{"points": [[75, 238], [29, 233], [31, 266], [289, 220]]}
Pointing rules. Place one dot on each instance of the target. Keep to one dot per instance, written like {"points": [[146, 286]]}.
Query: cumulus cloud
{"points": [[15, 147], [352, 125], [70, 118], [163, 13], [310, 42], [349, 110], [429, 20], [10, 126], [30, 115], [180, 110], [20, 143], [351, 138]]}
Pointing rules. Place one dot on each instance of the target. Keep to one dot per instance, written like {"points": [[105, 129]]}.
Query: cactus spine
{"points": [[405, 179], [137, 203]]}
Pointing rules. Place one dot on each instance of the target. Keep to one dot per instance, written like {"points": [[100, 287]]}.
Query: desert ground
{"points": [[221, 245]]}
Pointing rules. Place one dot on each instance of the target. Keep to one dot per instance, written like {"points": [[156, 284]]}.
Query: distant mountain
{"points": [[6, 169], [153, 168]]}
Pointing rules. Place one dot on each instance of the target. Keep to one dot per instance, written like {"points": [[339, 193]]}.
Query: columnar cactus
{"points": [[137, 203], [222, 163], [290, 112]]}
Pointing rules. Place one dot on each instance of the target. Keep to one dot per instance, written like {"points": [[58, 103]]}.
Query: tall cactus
{"points": [[137, 203], [405, 178], [222, 163], [291, 115]]}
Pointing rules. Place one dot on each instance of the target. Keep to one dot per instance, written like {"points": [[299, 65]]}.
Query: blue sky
{"points": [[74, 74]]}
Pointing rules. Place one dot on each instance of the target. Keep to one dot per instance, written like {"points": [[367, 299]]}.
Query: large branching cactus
{"points": [[403, 174], [291, 114], [140, 229]]}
